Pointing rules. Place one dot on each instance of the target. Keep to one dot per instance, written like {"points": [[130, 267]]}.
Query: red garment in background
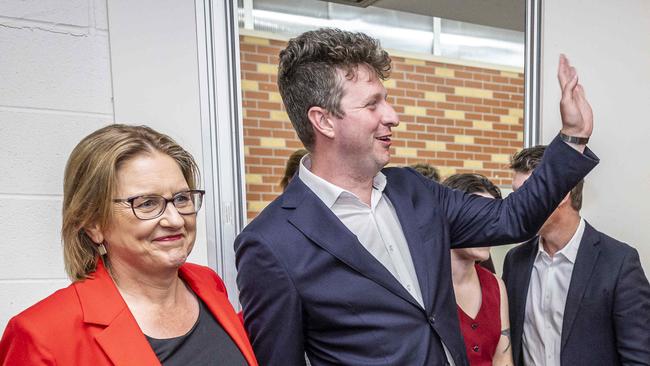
{"points": [[482, 333]]}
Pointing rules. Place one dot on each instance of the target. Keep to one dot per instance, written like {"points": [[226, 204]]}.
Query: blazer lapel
{"points": [[582, 270], [421, 255], [523, 266], [318, 223], [122, 340], [221, 309]]}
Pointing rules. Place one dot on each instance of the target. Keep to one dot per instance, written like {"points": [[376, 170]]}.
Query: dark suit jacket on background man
{"points": [[607, 312]]}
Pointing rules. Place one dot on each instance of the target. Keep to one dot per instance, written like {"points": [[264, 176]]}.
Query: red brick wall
{"points": [[458, 118]]}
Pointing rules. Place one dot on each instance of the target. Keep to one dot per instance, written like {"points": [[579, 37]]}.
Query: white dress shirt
{"points": [[545, 302], [376, 226]]}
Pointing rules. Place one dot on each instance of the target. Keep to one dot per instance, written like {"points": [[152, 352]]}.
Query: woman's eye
{"points": [[147, 203], [182, 198]]}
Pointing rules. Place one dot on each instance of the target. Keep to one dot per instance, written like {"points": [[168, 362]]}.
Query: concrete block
{"points": [[35, 147], [68, 12], [101, 14], [19, 295], [41, 69], [32, 238]]}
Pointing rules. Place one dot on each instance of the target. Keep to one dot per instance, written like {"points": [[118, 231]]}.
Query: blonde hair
{"points": [[90, 180]]}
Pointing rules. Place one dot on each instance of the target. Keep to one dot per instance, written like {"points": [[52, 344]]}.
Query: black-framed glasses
{"points": [[151, 206]]}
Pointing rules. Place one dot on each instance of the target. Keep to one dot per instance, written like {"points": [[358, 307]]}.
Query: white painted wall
{"points": [[609, 43], [156, 78], [55, 88]]}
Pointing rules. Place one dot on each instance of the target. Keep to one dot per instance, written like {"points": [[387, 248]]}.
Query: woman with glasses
{"points": [[129, 223]]}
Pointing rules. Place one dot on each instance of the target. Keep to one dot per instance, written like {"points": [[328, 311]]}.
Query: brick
{"points": [[267, 69], [253, 178], [436, 146], [473, 92], [256, 40], [272, 142], [249, 85], [256, 206], [473, 164], [412, 61], [509, 119], [462, 139], [406, 152], [444, 72], [446, 171], [482, 125], [500, 158], [517, 112], [275, 97], [454, 114], [415, 111], [279, 116], [510, 74]]}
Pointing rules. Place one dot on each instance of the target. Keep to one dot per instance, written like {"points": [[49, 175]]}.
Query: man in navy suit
{"points": [[577, 296], [351, 263]]}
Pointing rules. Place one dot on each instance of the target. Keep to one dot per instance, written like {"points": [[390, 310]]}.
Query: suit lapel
{"points": [[102, 305], [221, 309], [523, 265], [419, 253], [582, 269], [318, 223]]}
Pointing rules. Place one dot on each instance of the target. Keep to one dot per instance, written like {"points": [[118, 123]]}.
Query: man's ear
{"points": [[94, 233], [319, 118]]}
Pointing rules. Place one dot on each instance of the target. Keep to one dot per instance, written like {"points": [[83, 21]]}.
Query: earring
{"points": [[101, 249]]}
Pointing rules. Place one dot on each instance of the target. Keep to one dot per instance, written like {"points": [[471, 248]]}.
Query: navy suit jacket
{"points": [[307, 284], [607, 312]]}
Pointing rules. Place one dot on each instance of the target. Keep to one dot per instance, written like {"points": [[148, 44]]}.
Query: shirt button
{"points": [[475, 348], [474, 325]]}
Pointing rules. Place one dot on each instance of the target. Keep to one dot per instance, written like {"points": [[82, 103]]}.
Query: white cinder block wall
{"points": [[55, 88]]}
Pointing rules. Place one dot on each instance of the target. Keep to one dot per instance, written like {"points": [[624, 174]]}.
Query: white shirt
{"points": [[545, 302], [376, 227]]}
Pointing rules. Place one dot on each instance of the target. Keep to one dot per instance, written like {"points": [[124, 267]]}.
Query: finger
{"points": [[563, 70], [567, 91]]}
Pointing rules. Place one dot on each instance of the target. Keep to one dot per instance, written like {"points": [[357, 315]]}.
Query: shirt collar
{"points": [[326, 191], [570, 251]]}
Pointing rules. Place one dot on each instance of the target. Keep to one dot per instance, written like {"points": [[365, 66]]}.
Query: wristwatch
{"points": [[574, 139]]}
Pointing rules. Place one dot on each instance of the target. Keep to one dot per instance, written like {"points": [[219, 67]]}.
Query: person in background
{"points": [[431, 172], [351, 263], [577, 296], [427, 170], [130, 200], [481, 296], [292, 167]]}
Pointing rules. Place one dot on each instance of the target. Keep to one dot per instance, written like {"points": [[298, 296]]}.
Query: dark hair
{"points": [[428, 170], [472, 183], [293, 163], [528, 159], [307, 74]]}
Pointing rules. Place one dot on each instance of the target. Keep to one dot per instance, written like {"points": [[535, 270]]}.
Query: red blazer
{"points": [[88, 323]]}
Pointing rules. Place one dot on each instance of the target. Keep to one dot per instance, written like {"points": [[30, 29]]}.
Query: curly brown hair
{"points": [[307, 74]]}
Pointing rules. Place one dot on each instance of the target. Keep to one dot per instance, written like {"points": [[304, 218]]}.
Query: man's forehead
{"points": [[360, 72]]}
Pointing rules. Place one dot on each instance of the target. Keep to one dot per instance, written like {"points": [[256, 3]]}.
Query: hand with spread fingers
{"points": [[577, 116]]}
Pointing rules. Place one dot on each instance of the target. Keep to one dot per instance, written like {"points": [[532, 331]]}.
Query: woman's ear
{"points": [[94, 233], [319, 118]]}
